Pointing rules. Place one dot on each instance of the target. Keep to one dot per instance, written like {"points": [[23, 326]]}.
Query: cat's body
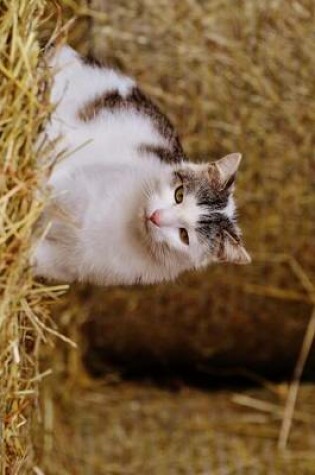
{"points": [[127, 206]]}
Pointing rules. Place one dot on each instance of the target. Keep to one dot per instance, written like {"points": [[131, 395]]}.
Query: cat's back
{"points": [[101, 112], [77, 82]]}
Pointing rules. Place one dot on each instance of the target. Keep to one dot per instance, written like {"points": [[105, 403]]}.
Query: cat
{"points": [[127, 206]]}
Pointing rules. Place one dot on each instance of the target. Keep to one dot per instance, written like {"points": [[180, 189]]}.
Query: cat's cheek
{"points": [[163, 236], [175, 243]]}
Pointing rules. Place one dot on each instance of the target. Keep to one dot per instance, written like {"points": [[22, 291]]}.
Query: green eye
{"points": [[179, 194], [183, 234]]}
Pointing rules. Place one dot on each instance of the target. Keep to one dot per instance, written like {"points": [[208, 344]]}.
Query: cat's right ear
{"points": [[225, 169]]}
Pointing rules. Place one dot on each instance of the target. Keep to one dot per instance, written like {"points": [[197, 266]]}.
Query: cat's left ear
{"points": [[232, 250], [226, 168]]}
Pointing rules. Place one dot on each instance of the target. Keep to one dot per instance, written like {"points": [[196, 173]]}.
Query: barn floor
{"points": [[124, 428]]}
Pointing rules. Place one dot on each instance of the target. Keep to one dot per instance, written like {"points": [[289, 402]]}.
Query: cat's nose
{"points": [[155, 218]]}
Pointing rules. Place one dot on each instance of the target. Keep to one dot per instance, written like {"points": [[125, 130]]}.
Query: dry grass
{"points": [[24, 304]]}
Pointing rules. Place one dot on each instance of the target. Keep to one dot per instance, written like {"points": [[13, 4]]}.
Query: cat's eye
{"points": [[183, 234], [179, 194]]}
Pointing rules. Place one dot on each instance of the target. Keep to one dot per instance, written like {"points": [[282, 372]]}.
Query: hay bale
{"points": [[24, 304]]}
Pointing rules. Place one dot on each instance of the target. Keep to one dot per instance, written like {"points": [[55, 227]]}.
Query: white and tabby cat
{"points": [[127, 205]]}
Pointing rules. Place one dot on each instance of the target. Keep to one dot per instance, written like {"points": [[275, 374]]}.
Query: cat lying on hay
{"points": [[127, 205]]}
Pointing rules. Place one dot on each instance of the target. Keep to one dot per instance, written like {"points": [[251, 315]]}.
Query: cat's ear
{"points": [[232, 250], [226, 168]]}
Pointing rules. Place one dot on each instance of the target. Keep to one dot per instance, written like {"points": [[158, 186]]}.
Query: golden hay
{"points": [[24, 304]]}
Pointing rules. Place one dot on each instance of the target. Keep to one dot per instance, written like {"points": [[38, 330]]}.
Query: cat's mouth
{"points": [[144, 219], [150, 235]]}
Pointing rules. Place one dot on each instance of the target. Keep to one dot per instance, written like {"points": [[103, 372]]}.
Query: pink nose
{"points": [[155, 218]]}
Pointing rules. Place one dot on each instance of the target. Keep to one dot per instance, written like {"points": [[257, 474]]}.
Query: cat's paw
{"points": [[51, 263]]}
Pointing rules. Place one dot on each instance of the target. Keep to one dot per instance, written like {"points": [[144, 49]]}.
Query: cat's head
{"points": [[191, 215]]}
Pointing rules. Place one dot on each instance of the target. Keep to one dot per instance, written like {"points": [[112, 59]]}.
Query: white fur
{"points": [[105, 190]]}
